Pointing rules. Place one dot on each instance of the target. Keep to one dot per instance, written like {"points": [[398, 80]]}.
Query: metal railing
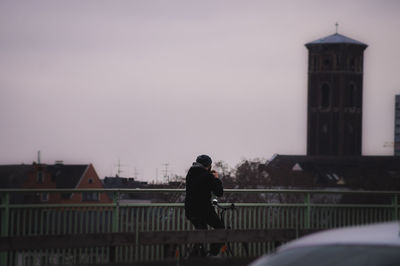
{"points": [[275, 209]]}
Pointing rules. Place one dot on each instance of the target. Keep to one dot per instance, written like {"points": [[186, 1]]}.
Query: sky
{"points": [[146, 83]]}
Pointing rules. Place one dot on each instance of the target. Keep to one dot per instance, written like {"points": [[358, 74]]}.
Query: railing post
{"points": [[115, 225], [395, 203], [308, 210], [5, 217]]}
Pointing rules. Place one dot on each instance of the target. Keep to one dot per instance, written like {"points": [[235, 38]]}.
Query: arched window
{"points": [[327, 62], [352, 63], [337, 62], [325, 96]]}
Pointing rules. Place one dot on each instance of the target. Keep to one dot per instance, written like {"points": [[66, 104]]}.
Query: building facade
{"points": [[335, 91], [57, 176]]}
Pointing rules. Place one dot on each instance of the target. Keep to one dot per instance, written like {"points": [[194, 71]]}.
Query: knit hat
{"points": [[204, 160]]}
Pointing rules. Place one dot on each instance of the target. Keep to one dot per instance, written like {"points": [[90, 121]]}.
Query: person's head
{"points": [[204, 160]]}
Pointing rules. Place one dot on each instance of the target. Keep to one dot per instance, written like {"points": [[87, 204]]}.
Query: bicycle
{"points": [[221, 213], [199, 249]]}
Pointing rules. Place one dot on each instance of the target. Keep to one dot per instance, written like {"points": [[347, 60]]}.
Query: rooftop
{"points": [[65, 176], [334, 39]]}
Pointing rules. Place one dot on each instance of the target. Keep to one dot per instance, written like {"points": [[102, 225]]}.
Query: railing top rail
{"points": [[178, 205], [107, 190], [163, 190], [314, 191]]}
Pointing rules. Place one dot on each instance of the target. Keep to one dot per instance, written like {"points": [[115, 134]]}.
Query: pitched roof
{"points": [[366, 172], [13, 176], [389, 162], [335, 39], [65, 176]]}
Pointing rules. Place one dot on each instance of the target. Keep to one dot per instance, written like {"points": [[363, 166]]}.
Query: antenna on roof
{"points": [[119, 167], [38, 157], [119, 171], [166, 176], [337, 26]]}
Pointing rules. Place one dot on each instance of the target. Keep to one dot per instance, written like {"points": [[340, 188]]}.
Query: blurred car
{"points": [[368, 245]]}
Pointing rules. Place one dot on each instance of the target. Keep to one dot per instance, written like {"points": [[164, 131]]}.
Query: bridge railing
{"points": [[277, 211]]}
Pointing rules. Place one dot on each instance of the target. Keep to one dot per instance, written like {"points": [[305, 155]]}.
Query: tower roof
{"points": [[335, 39]]}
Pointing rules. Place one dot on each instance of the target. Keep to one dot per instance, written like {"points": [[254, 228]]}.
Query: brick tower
{"points": [[335, 91]]}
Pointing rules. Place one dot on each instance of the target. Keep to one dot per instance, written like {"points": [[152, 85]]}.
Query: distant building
{"points": [[125, 183], [122, 182], [334, 139], [57, 176], [131, 183], [397, 127], [351, 172], [335, 90]]}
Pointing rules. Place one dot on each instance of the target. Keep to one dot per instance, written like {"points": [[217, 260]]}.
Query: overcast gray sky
{"points": [[153, 82]]}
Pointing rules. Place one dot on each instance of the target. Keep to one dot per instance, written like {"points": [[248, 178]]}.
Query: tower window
{"points": [[337, 61], [352, 63], [352, 95], [327, 62], [325, 96]]}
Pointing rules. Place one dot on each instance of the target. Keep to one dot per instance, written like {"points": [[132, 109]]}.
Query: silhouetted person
{"points": [[201, 182]]}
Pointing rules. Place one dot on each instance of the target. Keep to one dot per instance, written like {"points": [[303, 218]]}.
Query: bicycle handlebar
{"points": [[231, 207]]}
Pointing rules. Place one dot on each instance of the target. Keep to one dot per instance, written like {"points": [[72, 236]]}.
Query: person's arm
{"points": [[216, 184]]}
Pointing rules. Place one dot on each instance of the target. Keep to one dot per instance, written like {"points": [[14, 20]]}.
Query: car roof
{"points": [[373, 234]]}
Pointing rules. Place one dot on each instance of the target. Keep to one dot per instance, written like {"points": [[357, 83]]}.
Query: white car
{"points": [[367, 245]]}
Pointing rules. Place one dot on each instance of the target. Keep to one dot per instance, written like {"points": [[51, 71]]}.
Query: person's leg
{"points": [[198, 248], [199, 224], [214, 221]]}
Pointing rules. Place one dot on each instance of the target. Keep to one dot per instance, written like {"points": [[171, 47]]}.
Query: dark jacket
{"points": [[200, 183]]}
